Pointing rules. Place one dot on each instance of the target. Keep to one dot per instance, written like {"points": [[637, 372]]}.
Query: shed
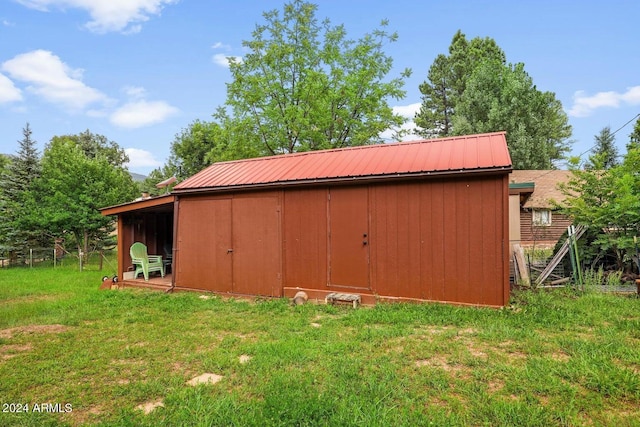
{"points": [[420, 220]]}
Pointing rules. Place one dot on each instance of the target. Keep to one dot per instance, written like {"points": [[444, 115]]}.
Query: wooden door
{"points": [[204, 255], [348, 218], [256, 246]]}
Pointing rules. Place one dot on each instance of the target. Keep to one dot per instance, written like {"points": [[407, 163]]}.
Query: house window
{"points": [[542, 217]]}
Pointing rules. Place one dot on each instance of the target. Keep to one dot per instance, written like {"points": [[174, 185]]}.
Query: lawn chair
{"points": [[145, 263]]}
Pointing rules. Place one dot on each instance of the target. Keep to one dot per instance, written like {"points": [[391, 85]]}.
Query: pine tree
{"points": [[634, 137], [605, 153], [15, 186]]}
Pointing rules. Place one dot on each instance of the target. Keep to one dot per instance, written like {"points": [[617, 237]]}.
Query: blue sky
{"points": [[139, 71]]}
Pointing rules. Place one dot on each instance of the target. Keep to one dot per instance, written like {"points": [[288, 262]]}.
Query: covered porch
{"points": [[151, 222]]}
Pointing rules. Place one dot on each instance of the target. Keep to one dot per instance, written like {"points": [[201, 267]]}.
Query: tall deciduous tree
{"points": [[15, 186], [74, 184], [474, 90], [303, 85], [605, 150]]}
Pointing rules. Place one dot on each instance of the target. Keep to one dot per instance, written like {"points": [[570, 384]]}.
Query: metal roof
{"points": [[485, 152]]}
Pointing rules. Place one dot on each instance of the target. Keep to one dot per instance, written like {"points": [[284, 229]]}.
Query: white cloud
{"points": [[8, 92], [223, 60], [135, 92], [584, 105], [220, 45], [141, 158], [52, 79], [141, 113], [408, 128], [107, 15], [407, 111]]}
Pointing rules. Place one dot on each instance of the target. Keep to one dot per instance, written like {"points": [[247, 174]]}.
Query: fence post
{"points": [[30, 258], [80, 257]]}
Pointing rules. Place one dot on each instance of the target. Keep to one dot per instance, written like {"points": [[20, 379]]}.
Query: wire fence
{"points": [[53, 257]]}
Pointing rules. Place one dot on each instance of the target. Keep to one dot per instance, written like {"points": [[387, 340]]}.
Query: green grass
{"points": [[551, 358]]}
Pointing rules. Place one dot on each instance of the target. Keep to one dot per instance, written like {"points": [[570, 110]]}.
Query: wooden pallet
{"points": [[334, 297]]}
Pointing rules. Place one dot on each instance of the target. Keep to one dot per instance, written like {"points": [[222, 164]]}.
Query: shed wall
{"points": [[442, 240]]}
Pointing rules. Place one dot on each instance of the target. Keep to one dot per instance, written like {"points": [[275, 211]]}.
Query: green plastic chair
{"points": [[143, 262]]}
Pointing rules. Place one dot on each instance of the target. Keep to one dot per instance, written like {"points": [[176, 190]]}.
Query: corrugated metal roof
{"points": [[435, 156]]}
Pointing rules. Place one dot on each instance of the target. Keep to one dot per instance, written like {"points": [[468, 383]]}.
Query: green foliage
{"points": [[94, 145], [608, 201], [304, 86], [71, 189], [634, 137], [190, 148], [473, 90], [605, 153], [16, 185]]}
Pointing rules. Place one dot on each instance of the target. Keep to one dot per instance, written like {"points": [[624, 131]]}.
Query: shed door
{"points": [[348, 219], [256, 246], [204, 260]]}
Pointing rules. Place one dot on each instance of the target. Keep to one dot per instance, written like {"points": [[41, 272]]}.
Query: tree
{"points": [[501, 97], [608, 202], [94, 145], [190, 147], [447, 81], [605, 149], [474, 90], [75, 184], [634, 138], [304, 86], [15, 186]]}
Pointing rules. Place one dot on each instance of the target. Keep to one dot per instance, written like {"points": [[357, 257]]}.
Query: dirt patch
{"points": [[439, 362], [560, 356], [33, 329], [207, 378], [244, 358], [148, 407], [12, 350], [30, 298]]}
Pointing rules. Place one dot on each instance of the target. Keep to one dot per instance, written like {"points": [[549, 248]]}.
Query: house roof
{"points": [[472, 153], [545, 189]]}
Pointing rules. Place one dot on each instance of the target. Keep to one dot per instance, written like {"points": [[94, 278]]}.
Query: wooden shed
{"points": [[420, 220]]}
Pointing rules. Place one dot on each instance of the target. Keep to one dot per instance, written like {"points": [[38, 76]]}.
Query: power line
{"points": [[612, 134]]}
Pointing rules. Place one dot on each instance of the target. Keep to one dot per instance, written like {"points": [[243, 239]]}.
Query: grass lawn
{"points": [[91, 357]]}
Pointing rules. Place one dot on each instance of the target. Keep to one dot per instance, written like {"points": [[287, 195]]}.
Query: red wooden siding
{"points": [[442, 241]]}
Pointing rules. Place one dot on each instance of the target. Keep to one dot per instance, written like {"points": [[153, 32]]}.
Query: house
{"points": [[424, 220], [533, 217]]}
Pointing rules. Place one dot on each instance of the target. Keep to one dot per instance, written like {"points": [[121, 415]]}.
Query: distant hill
{"points": [[137, 177]]}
